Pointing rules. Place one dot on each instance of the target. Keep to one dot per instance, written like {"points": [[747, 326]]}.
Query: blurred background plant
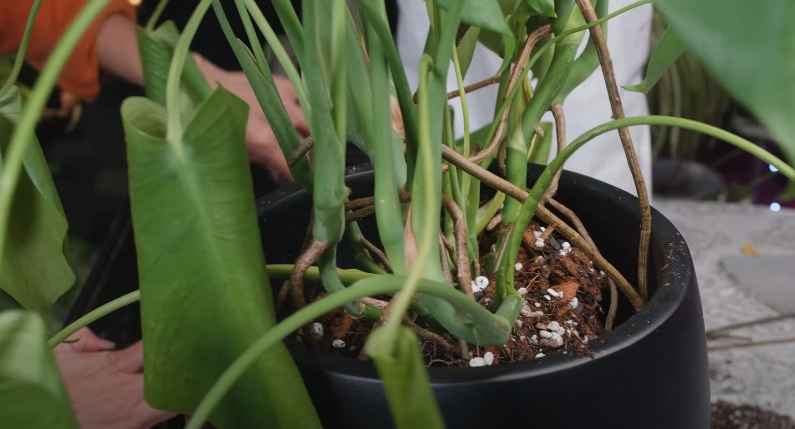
{"points": [[694, 166]]}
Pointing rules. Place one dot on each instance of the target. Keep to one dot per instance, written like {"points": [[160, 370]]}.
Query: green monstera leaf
{"points": [[747, 46], [35, 270], [31, 392], [199, 251]]}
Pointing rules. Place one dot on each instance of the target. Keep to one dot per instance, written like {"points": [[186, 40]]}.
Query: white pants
{"points": [[587, 106]]}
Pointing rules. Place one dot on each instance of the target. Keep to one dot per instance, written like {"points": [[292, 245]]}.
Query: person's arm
{"points": [[117, 49], [111, 45], [81, 74]]}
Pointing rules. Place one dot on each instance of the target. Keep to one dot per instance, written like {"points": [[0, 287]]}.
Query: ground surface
{"points": [[731, 416], [765, 375]]}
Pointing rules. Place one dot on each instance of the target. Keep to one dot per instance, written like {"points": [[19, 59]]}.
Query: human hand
{"points": [[263, 148], [106, 388]]}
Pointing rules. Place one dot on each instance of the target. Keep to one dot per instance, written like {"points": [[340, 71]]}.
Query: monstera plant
{"points": [[213, 346]]}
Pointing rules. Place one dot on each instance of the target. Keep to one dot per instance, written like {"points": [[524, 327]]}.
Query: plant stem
{"points": [[94, 315], [545, 215], [278, 49], [535, 196], [161, 6], [462, 255], [519, 70], [752, 344], [369, 287], [24, 133], [401, 301], [253, 39], [713, 333], [473, 87], [598, 38], [465, 179], [173, 101], [19, 59]]}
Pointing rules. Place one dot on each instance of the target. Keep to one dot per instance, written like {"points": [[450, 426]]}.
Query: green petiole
{"points": [[491, 328]]}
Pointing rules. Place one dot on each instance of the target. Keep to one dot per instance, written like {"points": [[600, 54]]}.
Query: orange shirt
{"points": [[81, 74]]}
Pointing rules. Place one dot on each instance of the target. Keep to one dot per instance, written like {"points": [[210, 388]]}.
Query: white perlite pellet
{"points": [[477, 361], [317, 329], [540, 355], [482, 282], [518, 266], [488, 358], [522, 291], [574, 303], [339, 344], [554, 341]]}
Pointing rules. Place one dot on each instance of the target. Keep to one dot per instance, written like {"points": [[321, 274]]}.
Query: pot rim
{"points": [[674, 282]]}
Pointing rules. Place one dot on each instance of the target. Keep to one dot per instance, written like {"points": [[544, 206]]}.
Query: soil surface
{"points": [[731, 416], [562, 313]]}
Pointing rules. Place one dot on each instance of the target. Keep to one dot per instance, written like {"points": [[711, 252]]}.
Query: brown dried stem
{"points": [[474, 87], [448, 245], [715, 333], [535, 37], [430, 336], [299, 152], [378, 252], [307, 258], [578, 225], [462, 255], [560, 131], [752, 344], [307, 240], [359, 214], [626, 140], [545, 215], [369, 201]]}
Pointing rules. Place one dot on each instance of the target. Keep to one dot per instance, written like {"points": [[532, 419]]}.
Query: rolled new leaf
{"points": [[199, 251]]}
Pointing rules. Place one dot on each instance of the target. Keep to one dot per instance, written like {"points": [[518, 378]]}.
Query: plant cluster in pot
{"points": [[449, 253]]}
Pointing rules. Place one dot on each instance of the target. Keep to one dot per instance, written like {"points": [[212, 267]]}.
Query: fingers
{"points": [[149, 416], [87, 341], [142, 415], [131, 359]]}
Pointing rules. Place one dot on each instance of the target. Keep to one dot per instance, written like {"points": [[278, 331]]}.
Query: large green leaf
{"points": [[481, 13], [35, 270], [408, 389], [542, 7], [665, 53], [748, 46], [31, 393], [489, 16], [204, 289]]}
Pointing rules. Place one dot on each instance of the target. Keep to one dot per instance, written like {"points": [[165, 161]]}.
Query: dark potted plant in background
{"points": [[461, 265]]}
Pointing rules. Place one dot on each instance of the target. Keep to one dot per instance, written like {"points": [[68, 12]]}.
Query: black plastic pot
{"points": [[650, 372]]}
